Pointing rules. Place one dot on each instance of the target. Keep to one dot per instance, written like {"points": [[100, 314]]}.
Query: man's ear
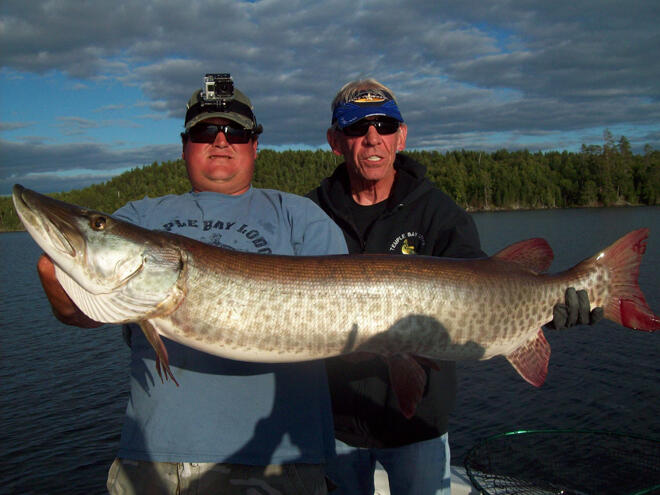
{"points": [[403, 134], [184, 141], [255, 145], [331, 136]]}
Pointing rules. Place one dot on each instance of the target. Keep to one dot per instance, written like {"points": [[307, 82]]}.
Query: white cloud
{"points": [[465, 72]]}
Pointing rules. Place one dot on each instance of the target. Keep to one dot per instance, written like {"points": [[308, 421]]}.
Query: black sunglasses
{"points": [[360, 128], [206, 133]]}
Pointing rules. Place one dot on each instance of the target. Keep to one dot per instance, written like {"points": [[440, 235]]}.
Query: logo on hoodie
{"points": [[408, 243]]}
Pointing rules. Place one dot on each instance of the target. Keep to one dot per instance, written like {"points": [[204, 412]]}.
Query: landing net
{"points": [[565, 462]]}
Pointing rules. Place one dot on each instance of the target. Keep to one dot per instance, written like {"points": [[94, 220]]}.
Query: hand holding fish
{"points": [[576, 310], [63, 307]]}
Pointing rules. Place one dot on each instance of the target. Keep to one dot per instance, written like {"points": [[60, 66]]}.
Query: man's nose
{"points": [[372, 136], [221, 140]]}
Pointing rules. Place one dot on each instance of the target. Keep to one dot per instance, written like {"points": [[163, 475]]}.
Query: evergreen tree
{"points": [[595, 176]]}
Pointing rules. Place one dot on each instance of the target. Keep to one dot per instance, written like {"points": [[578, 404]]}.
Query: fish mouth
{"points": [[48, 220]]}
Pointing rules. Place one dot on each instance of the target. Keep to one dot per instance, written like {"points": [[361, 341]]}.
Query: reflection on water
{"points": [[64, 389]]}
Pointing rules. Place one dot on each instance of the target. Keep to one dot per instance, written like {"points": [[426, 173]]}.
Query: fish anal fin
{"points": [[162, 358], [408, 380], [531, 359], [534, 254]]}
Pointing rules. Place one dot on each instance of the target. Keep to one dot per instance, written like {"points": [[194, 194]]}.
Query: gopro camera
{"points": [[217, 87]]}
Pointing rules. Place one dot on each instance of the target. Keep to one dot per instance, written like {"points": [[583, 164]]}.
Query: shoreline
{"points": [[489, 209], [619, 204]]}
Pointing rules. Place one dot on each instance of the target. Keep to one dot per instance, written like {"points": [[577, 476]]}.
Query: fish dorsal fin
{"points": [[534, 254], [112, 307], [531, 359]]}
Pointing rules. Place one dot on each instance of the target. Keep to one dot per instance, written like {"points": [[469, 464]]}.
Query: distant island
{"points": [[606, 175]]}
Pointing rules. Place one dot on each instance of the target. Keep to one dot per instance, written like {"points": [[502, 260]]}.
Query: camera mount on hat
{"points": [[217, 89], [219, 98]]}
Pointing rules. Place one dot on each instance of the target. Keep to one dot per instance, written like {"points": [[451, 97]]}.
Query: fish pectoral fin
{"points": [[408, 380], [162, 358], [111, 307], [531, 359]]}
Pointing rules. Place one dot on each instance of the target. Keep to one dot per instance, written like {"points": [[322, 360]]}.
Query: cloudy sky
{"points": [[91, 88]]}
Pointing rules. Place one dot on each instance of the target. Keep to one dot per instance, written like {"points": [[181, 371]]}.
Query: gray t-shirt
{"points": [[225, 410]]}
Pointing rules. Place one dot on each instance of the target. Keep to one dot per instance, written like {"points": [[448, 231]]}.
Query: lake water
{"points": [[64, 389]]}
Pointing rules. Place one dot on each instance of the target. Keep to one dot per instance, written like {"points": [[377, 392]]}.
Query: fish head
{"points": [[83, 243], [100, 259]]}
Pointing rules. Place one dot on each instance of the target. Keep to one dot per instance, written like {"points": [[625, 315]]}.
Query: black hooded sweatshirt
{"points": [[417, 218]]}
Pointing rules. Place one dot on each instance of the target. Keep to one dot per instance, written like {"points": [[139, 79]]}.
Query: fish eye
{"points": [[98, 222]]}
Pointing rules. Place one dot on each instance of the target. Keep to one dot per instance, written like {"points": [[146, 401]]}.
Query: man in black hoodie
{"points": [[384, 204]]}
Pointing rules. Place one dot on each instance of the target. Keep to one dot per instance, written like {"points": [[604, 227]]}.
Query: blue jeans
{"points": [[421, 468]]}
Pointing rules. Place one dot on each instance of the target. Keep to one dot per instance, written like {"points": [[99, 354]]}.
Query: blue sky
{"points": [[90, 89]]}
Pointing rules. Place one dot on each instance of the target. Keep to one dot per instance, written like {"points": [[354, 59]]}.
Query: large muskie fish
{"points": [[255, 307]]}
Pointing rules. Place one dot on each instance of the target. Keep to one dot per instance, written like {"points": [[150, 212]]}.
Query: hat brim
{"points": [[349, 113], [239, 119]]}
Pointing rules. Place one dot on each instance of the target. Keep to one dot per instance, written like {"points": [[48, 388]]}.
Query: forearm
{"points": [[63, 307]]}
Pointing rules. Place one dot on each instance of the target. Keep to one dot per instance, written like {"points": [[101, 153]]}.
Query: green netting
{"points": [[565, 462]]}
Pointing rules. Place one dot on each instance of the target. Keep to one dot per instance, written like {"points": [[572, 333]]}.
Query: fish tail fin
{"points": [[626, 304]]}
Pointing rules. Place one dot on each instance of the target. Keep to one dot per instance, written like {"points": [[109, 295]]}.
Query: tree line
{"points": [[597, 175]]}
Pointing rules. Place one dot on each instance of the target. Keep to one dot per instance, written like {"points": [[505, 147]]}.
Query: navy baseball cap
{"points": [[367, 103]]}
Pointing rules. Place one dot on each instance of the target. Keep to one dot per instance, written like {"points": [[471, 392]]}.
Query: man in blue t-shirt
{"points": [[231, 426]]}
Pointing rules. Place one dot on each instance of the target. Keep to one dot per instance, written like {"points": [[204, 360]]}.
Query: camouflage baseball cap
{"points": [[236, 108]]}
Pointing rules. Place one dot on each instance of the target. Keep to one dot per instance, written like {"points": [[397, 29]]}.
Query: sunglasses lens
{"points": [[203, 133], [354, 130], [237, 135], [387, 126], [383, 127], [207, 133]]}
